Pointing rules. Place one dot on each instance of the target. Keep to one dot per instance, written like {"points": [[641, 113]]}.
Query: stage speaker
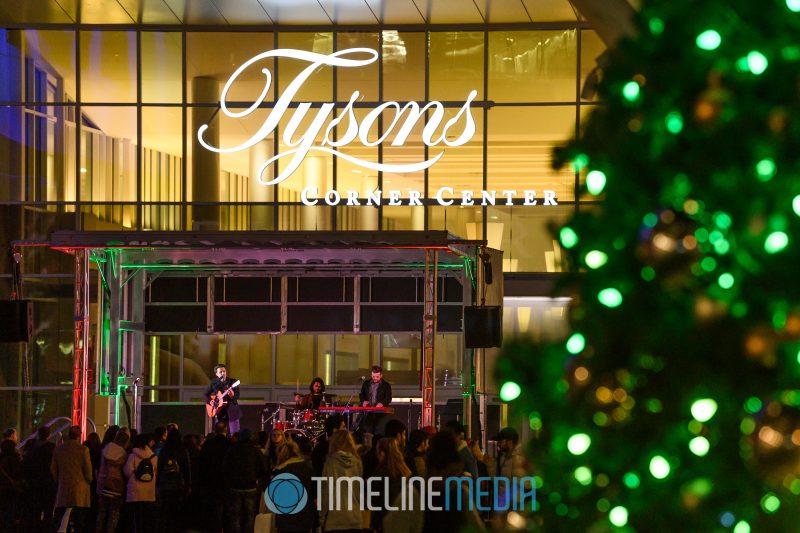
{"points": [[483, 327], [16, 324]]}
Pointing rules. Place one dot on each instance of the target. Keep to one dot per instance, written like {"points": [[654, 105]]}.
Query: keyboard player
{"points": [[375, 392]]}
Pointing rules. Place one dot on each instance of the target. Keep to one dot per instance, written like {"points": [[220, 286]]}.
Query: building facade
{"points": [[99, 119]]}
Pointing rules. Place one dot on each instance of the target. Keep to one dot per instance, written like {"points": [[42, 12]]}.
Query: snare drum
{"points": [[309, 415], [282, 425]]}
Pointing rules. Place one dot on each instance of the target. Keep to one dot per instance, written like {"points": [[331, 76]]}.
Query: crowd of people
{"points": [[164, 481]]}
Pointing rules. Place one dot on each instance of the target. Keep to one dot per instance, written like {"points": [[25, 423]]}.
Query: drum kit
{"points": [[293, 420]]}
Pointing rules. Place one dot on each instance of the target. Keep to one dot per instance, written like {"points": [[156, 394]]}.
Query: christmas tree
{"points": [[674, 405]]}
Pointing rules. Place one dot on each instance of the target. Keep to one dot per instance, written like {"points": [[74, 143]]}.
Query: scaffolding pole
{"points": [[80, 390], [428, 338]]}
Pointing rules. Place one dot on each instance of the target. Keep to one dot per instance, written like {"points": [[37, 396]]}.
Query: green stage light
{"points": [[776, 241], [757, 62], [631, 91]]}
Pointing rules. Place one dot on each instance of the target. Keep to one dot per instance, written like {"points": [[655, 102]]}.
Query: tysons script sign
{"points": [[302, 143]]}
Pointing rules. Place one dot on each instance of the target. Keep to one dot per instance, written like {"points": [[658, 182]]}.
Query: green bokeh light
{"points": [[753, 405], [704, 409], [793, 5], [648, 273], [580, 162], [610, 297], [757, 62], [656, 25], [595, 259], [766, 169], [674, 122], [741, 527], [776, 241], [576, 343], [650, 220], [535, 421], [796, 205], [583, 475], [631, 480], [659, 467], [770, 503], [708, 264], [579, 443], [595, 182], [510, 391], [631, 91], [709, 40], [618, 516], [725, 280], [699, 446], [568, 237]]}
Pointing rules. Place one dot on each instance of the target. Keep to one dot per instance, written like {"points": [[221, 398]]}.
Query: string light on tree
{"points": [[683, 283]]}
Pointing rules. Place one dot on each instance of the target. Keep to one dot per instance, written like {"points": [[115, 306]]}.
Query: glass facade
{"points": [[98, 131]]}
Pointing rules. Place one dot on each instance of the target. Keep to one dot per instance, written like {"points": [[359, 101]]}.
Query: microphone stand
{"points": [[348, 414]]}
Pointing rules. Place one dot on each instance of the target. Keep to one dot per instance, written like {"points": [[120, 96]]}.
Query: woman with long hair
{"points": [[291, 461], [394, 472], [342, 461]]}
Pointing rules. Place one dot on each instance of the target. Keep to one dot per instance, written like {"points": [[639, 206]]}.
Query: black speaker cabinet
{"points": [[483, 327], [16, 320]]}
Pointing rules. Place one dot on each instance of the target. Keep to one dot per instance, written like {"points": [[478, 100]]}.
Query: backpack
{"points": [[144, 470]]}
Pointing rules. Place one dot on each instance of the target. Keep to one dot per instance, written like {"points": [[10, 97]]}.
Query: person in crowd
{"points": [[393, 468], [483, 480], [160, 436], [231, 413], [342, 461], [173, 482], [11, 434], [415, 452], [11, 487], [511, 462], [291, 461], [263, 441], [72, 468], [141, 470], [111, 482], [315, 397], [192, 509], [109, 436], [212, 474], [320, 453], [458, 430], [244, 468], [95, 448], [444, 461], [40, 493], [276, 439]]}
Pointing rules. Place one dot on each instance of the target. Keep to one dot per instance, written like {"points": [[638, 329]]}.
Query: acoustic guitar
{"points": [[220, 401]]}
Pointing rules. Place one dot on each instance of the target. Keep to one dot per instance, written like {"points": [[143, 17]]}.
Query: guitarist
{"points": [[230, 413]]}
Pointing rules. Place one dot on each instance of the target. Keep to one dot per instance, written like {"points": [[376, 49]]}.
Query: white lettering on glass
{"points": [[302, 142]]}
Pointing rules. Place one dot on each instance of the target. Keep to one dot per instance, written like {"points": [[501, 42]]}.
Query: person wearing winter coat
{"points": [[291, 461], [245, 469], [72, 468], [342, 461], [141, 489], [11, 486], [111, 482]]}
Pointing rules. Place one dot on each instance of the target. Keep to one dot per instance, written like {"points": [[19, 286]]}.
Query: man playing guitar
{"points": [[224, 397]]}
